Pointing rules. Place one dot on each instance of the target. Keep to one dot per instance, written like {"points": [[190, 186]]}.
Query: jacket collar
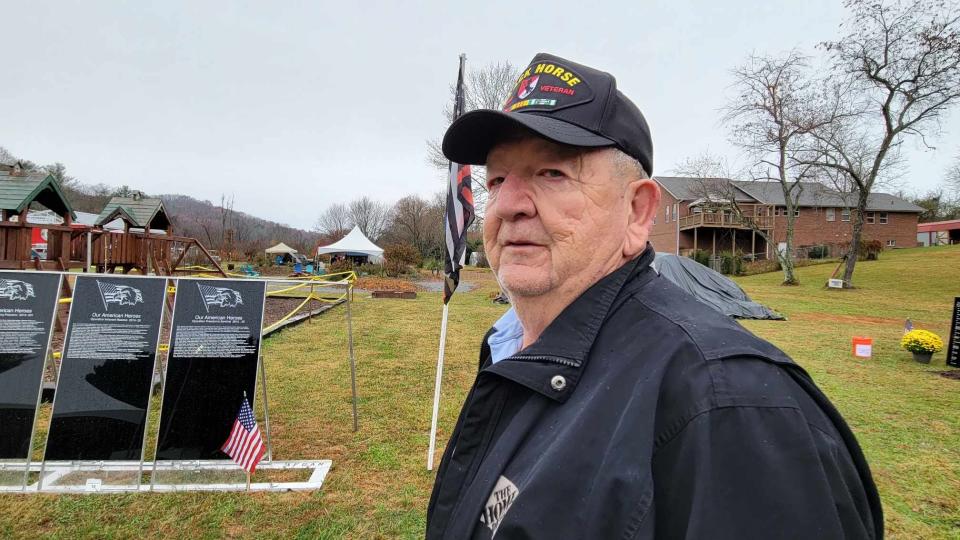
{"points": [[564, 347]]}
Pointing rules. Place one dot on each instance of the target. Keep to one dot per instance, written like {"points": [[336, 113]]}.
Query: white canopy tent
{"points": [[354, 244], [280, 249]]}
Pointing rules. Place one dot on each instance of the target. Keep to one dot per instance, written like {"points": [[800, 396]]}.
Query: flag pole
{"points": [[459, 217], [436, 387], [248, 480]]}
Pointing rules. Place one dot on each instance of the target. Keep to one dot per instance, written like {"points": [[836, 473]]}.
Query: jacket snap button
{"points": [[558, 383]]}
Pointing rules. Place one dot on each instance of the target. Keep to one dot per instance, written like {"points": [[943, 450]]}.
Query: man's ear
{"points": [[643, 198]]}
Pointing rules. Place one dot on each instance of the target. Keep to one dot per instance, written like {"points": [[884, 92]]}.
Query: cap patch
{"points": [[548, 86], [527, 86]]}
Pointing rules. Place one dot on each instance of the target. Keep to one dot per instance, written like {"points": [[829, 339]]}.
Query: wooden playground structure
{"points": [[97, 250], [146, 243]]}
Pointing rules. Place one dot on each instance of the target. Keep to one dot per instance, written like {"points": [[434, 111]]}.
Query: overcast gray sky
{"points": [[293, 107]]}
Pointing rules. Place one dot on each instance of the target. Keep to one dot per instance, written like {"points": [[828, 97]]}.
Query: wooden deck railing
{"points": [[723, 220]]}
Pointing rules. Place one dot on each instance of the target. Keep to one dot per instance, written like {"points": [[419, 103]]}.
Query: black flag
{"points": [[460, 213]]}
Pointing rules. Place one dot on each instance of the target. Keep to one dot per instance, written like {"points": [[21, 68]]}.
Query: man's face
{"points": [[556, 217]]}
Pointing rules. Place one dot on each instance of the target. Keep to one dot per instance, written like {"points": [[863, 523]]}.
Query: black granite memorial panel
{"points": [[28, 301], [100, 407], [953, 347], [214, 348]]}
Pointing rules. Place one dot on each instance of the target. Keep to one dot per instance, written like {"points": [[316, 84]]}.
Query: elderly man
{"points": [[610, 404]]}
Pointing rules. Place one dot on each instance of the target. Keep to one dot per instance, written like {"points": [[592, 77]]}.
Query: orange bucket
{"points": [[862, 347]]}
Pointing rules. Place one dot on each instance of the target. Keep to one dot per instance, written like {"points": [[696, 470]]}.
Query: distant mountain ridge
{"points": [[221, 227], [217, 227]]}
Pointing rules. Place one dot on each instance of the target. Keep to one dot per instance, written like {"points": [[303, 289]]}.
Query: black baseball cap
{"points": [[562, 101]]}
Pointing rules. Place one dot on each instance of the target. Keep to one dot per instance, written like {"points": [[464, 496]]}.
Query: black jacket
{"points": [[641, 413]]}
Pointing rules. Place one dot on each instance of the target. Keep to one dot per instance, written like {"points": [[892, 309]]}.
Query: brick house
{"points": [[687, 220]]}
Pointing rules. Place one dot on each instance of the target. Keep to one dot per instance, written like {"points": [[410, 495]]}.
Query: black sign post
{"points": [[28, 302], [213, 359], [953, 350], [109, 358]]}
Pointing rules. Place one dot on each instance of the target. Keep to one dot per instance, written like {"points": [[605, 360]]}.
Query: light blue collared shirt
{"points": [[507, 336]]}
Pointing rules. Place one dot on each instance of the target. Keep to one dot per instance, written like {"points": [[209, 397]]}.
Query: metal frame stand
{"points": [[48, 357], [266, 407], [52, 472], [353, 364]]}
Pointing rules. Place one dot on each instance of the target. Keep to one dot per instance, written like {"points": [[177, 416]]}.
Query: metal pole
{"points": [[153, 373], [48, 357], [676, 217], [266, 408], [163, 381], [310, 319], [353, 364], [436, 388]]}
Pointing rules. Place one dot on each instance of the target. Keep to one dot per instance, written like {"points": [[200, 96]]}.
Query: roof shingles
{"points": [[813, 194], [139, 211], [17, 192]]}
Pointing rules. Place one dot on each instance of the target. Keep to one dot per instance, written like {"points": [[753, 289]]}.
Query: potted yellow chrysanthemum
{"points": [[922, 343]]}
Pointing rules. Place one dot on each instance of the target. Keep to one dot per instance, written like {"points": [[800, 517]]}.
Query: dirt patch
{"points": [[953, 374], [850, 319], [385, 284]]}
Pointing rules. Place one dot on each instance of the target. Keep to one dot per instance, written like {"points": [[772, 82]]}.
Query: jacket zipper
{"points": [[551, 359]]}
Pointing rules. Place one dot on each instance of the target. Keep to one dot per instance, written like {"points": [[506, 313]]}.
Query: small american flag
{"points": [[245, 445]]}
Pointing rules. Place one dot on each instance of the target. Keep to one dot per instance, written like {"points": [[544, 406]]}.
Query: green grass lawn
{"points": [[905, 415]]}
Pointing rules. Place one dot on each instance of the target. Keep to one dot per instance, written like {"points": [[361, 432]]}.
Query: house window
{"points": [[891, 243], [666, 212], [871, 218], [796, 212], [676, 211], [845, 214], [831, 214], [883, 218]]}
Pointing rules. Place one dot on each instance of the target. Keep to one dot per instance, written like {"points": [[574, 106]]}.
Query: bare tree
{"points": [[774, 107], [59, 172], [334, 221], [485, 88], [371, 216], [952, 177], [718, 193], [227, 227], [6, 158], [207, 226], [418, 222], [903, 59]]}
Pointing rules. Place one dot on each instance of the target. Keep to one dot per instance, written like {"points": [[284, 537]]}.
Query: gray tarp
{"points": [[712, 288]]}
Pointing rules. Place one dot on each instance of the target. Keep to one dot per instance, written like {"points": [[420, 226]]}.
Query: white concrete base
{"points": [[54, 471]]}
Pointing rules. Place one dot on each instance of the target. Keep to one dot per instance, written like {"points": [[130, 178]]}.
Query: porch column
{"points": [[89, 251], [753, 242], [733, 250], [714, 242], [695, 238]]}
